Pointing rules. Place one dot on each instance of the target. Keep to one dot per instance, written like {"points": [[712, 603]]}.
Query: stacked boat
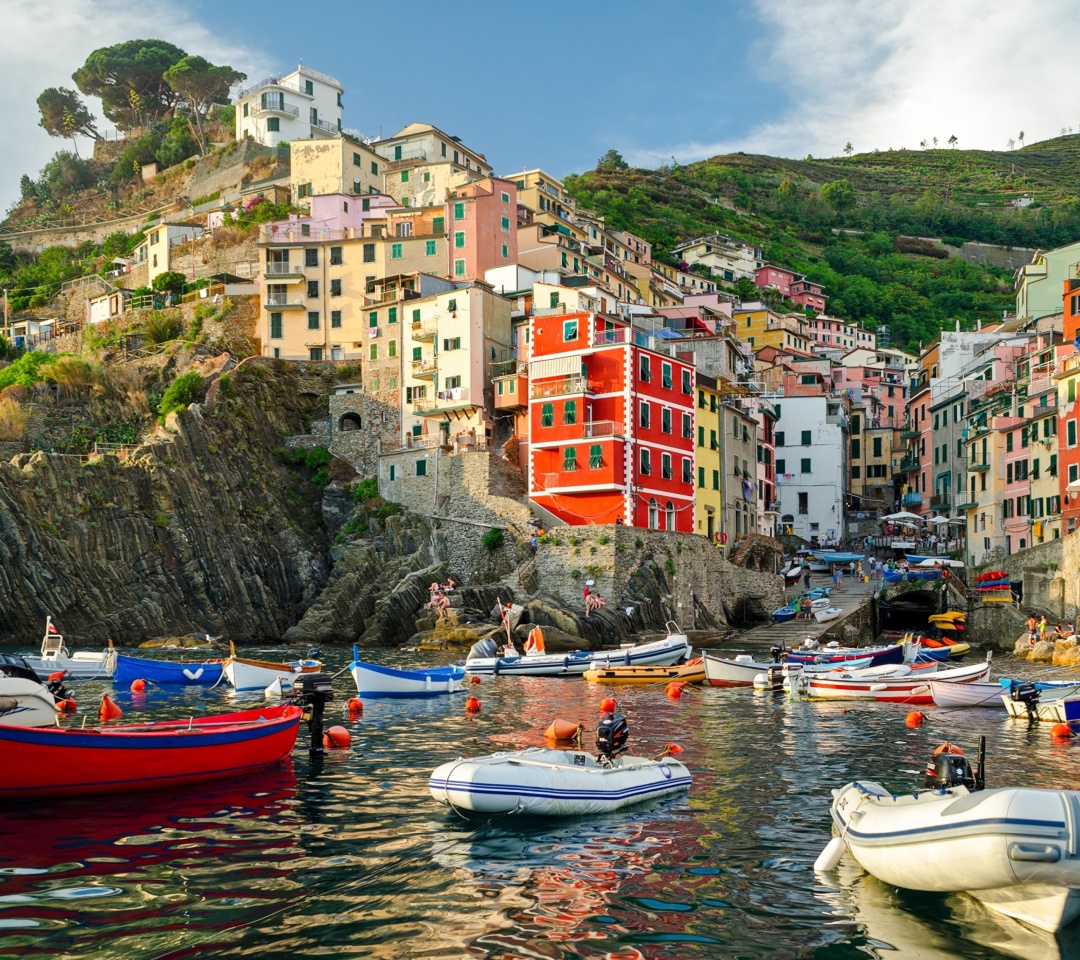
{"points": [[993, 587]]}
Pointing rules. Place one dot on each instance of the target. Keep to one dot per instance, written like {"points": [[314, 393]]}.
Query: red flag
{"points": [[52, 629]]}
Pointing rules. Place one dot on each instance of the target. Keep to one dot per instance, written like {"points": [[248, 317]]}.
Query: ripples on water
{"points": [[350, 857]]}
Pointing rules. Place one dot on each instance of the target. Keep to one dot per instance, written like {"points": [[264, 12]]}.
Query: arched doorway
{"points": [[670, 510], [653, 516], [349, 421]]}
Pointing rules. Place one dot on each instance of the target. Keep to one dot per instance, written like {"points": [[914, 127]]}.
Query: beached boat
{"points": [[691, 672], [825, 614], [166, 672], [834, 653], [979, 693], [833, 556], [784, 614], [481, 660], [24, 700], [376, 681], [1013, 848], [743, 669], [549, 782], [49, 763], [55, 657], [246, 674]]}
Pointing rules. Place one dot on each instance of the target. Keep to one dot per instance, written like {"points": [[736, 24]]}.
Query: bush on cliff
{"points": [[27, 370], [184, 390]]}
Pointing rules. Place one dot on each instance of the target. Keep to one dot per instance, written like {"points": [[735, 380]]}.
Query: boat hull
{"points": [[683, 673], [546, 782], [1014, 848], [259, 674], [25, 703], [721, 672], [877, 655], [978, 693], [51, 762], [169, 672], [661, 652], [374, 681], [81, 666]]}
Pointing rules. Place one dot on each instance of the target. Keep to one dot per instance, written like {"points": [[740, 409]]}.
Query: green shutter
{"points": [[417, 354], [275, 326], [570, 412], [429, 248], [391, 316], [438, 225], [570, 458], [459, 211], [373, 318], [547, 415], [596, 456]]}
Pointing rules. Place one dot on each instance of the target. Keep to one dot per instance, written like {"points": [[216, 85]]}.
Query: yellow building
{"points": [[761, 327], [544, 194], [420, 183], [341, 165]]}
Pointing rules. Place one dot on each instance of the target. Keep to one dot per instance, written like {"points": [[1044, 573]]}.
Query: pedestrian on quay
{"points": [[1033, 629], [806, 578], [1042, 627]]}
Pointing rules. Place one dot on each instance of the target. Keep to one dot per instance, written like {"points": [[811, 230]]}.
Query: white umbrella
{"points": [[903, 515], [944, 561], [938, 520]]}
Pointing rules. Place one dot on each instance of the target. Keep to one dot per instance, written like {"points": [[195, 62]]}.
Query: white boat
{"points": [[246, 674], [827, 614], [744, 669], [671, 649], [554, 782], [376, 681], [1049, 705], [979, 693], [79, 666], [895, 679], [24, 700], [1017, 849]]}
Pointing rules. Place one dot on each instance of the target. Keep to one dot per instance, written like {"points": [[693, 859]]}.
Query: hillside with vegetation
{"points": [[852, 223]]}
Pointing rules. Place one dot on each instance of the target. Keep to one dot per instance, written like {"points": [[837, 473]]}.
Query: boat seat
{"points": [[964, 804]]}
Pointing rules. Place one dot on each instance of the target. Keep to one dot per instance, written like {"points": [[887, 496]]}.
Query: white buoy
{"points": [[830, 856], [761, 681], [274, 690]]}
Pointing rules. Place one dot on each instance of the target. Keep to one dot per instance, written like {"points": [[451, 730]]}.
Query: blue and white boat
{"points": [[784, 614], [833, 556], [167, 672], [374, 681]]}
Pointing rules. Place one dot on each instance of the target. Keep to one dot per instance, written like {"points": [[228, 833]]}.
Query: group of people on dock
{"points": [[1039, 629]]}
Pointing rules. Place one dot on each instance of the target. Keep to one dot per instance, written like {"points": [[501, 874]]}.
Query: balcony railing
{"points": [[276, 105], [911, 500], [282, 300], [283, 270], [334, 128], [560, 388], [909, 463], [424, 369], [271, 82], [604, 337], [592, 429], [425, 330]]}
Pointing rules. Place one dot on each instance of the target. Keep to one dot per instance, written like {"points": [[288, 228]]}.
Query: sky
{"points": [[557, 84]]}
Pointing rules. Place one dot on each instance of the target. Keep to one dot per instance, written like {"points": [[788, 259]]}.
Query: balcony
{"points": [[424, 330], [978, 466], [911, 500], [967, 505], [281, 301], [568, 386], [594, 429], [283, 270], [909, 432], [274, 82], [511, 392], [772, 507], [603, 474], [275, 106], [908, 464], [443, 402], [940, 501], [424, 369], [604, 338], [332, 129]]}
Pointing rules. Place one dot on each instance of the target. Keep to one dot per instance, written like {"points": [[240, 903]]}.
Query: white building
{"points": [[726, 257], [812, 466], [160, 249], [426, 143], [302, 105]]}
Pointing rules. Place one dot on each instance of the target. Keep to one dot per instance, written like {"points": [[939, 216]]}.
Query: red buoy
{"points": [[108, 709], [472, 705], [474, 680], [670, 749], [67, 706], [608, 705], [1060, 731], [915, 718], [674, 690], [354, 708], [138, 686], [337, 738]]}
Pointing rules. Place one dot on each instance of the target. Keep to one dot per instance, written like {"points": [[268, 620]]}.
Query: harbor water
{"points": [[349, 855]]}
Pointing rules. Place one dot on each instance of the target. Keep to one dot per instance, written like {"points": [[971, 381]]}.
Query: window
{"points": [[438, 225], [547, 415], [451, 343], [665, 378], [856, 449], [313, 320], [687, 388], [451, 305], [569, 416], [569, 330], [452, 383], [505, 252], [804, 503], [311, 256], [877, 446], [806, 437], [735, 427], [779, 438], [315, 353], [570, 458], [335, 288], [646, 465], [313, 289], [391, 315], [275, 326], [373, 318], [1070, 433], [644, 421], [506, 224], [596, 456], [665, 466], [687, 471], [273, 125], [716, 479], [416, 315], [1008, 442], [369, 253], [804, 465], [780, 464], [700, 436], [245, 109], [404, 176], [856, 472], [687, 427], [459, 268], [459, 211], [459, 240], [644, 375], [714, 444], [429, 248], [1052, 468], [395, 251], [373, 352], [335, 318], [665, 419]]}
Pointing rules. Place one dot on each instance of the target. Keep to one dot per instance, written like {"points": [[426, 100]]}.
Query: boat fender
{"points": [[1061, 731], [761, 681], [354, 708], [138, 686], [474, 680], [337, 738], [472, 705], [674, 690], [878, 687], [67, 705], [829, 857], [915, 718], [608, 705]]}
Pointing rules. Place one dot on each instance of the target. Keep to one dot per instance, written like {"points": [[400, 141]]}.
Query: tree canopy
{"points": [[612, 160], [129, 79], [201, 83], [63, 114]]}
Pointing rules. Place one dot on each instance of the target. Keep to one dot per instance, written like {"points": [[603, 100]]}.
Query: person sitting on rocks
{"points": [[1059, 632], [593, 602]]}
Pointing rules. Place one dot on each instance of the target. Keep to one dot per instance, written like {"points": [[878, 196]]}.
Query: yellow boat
{"points": [[692, 672]]}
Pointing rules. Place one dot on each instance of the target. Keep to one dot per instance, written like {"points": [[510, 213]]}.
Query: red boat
{"points": [[50, 762]]}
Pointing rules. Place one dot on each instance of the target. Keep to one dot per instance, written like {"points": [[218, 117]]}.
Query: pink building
{"points": [[482, 227], [794, 286], [329, 212], [1014, 512]]}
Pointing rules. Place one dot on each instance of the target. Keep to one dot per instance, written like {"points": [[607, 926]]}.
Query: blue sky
{"points": [[554, 85]]}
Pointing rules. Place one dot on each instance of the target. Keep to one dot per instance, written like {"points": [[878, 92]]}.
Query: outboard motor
{"points": [[483, 650], [55, 686], [313, 653], [948, 767], [1028, 695], [611, 735], [776, 652], [312, 692]]}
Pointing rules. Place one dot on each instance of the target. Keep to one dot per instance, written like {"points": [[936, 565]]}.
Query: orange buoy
{"points": [[670, 749], [138, 686], [1061, 731], [674, 690], [474, 680], [947, 747], [354, 708], [472, 705], [337, 738], [608, 705], [915, 718], [562, 731], [67, 705], [108, 709]]}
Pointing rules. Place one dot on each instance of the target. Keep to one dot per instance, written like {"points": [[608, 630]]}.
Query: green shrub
{"points": [[388, 509], [669, 566], [493, 539], [162, 327], [27, 370], [161, 521], [206, 198], [171, 281], [603, 539], [182, 391], [575, 574], [317, 457], [367, 489], [226, 385]]}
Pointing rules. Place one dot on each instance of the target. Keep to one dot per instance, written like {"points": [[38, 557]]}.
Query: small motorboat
{"points": [[693, 671], [482, 659], [895, 679], [246, 674], [166, 672], [1013, 848], [79, 666], [47, 762], [833, 556], [25, 701], [825, 614], [1055, 702], [833, 653], [977, 693], [551, 782], [921, 694], [376, 681], [743, 670]]}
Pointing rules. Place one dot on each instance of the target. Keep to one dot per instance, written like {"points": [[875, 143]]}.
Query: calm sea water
{"points": [[350, 856]]}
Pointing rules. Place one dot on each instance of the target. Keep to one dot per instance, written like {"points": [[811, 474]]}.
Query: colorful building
{"points": [[302, 105], [792, 286]]}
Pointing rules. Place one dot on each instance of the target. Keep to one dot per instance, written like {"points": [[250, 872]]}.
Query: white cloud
{"points": [[890, 75], [44, 42]]}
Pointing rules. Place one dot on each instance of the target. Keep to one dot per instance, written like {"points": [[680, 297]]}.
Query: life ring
{"points": [[722, 537]]}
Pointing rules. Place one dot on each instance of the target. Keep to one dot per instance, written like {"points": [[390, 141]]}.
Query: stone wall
{"points": [[1050, 573]]}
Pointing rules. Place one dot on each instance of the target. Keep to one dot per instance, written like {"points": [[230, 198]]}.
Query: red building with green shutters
{"points": [[611, 423]]}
